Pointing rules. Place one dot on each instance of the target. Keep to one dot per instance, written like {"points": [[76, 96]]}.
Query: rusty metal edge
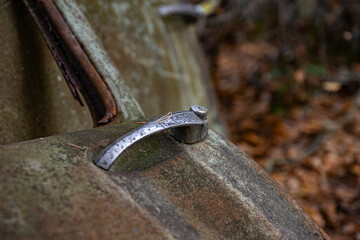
{"points": [[72, 60]]}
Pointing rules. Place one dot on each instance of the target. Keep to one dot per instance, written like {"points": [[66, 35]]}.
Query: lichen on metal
{"points": [[34, 99], [77, 69], [127, 104], [159, 60], [162, 190]]}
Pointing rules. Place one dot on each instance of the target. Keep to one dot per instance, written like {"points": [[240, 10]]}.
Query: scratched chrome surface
{"points": [[189, 121]]}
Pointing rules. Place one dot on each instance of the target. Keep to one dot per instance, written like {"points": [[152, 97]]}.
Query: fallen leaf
{"points": [[331, 214], [332, 86], [315, 214], [355, 169], [346, 194], [293, 185], [253, 139], [312, 126], [299, 76], [332, 164]]}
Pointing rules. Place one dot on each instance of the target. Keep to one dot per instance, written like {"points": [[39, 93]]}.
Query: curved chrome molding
{"points": [[187, 126]]}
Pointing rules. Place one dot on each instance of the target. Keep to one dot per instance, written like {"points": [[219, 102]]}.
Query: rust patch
{"points": [[79, 72]]}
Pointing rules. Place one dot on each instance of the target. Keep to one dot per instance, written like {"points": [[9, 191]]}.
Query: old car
{"points": [[107, 171]]}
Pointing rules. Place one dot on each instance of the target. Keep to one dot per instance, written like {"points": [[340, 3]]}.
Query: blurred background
{"points": [[286, 75]]}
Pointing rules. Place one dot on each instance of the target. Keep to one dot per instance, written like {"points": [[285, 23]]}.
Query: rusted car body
{"points": [[159, 188]]}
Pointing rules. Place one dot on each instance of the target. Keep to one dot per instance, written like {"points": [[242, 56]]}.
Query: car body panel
{"points": [[159, 189]]}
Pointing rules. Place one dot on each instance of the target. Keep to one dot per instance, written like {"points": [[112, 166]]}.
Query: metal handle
{"points": [[188, 10], [187, 126], [185, 10]]}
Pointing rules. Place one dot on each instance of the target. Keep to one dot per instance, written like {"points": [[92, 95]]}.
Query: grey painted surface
{"points": [[160, 61], [158, 189], [126, 103], [34, 98]]}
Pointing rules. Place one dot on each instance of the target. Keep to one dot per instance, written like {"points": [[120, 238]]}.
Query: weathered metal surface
{"points": [[161, 61], [73, 61], [187, 126], [186, 10], [125, 101], [161, 189], [34, 99]]}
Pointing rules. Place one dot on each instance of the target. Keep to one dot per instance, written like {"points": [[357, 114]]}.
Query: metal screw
{"points": [[199, 110]]}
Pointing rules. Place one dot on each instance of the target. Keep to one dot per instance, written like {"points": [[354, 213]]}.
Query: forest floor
{"points": [[302, 126]]}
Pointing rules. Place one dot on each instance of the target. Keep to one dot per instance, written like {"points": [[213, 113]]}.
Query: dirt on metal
{"points": [[158, 189], [74, 63]]}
